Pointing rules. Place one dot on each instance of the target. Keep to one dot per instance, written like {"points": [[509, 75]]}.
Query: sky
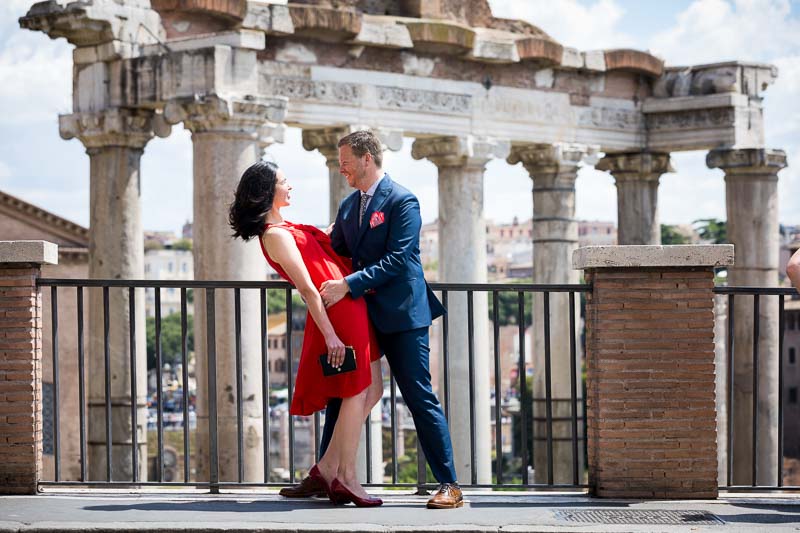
{"points": [[40, 167]]}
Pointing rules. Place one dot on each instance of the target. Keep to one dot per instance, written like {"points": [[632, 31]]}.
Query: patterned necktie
{"points": [[363, 207]]}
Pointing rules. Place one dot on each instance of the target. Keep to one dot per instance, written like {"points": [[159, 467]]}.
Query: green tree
{"points": [[508, 308], [276, 301], [712, 230], [182, 244], [670, 235], [170, 339]]}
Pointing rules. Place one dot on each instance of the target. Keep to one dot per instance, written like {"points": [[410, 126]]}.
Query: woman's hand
{"points": [[335, 351]]}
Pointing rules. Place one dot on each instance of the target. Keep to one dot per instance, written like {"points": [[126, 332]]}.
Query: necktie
{"points": [[363, 208]]}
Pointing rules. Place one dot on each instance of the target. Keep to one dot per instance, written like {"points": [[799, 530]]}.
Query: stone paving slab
{"points": [[97, 512]]}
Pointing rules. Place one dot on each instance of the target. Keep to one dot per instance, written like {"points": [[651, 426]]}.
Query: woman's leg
{"points": [[375, 390], [341, 450]]}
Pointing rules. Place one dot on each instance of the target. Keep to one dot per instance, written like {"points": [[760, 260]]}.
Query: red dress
{"points": [[349, 319]]}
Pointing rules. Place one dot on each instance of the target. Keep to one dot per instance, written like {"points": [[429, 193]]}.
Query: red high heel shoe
{"points": [[343, 493], [315, 474]]}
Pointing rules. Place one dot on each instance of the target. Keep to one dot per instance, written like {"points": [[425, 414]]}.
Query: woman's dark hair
{"points": [[253, 199]]}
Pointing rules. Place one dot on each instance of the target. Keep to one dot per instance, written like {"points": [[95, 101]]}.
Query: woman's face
{"points": [[282, 189]]}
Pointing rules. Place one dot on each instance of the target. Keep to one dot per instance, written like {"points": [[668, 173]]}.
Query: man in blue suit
{"points": [[378, 227]]}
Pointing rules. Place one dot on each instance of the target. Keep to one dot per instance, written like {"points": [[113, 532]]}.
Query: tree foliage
{"points": [[712, 230], [670, 235], [170, 339]]}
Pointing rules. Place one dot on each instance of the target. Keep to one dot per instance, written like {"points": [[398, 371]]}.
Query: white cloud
{"points": [[5, 171], [720, 30], [36, 71], [571, 22]]}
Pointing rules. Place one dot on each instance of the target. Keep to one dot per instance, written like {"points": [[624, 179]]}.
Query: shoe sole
{"points": [[298, 497], [445, 506]]}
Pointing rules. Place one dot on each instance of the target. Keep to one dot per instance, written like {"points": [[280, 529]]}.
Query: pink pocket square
{"points": [[376, 219]]}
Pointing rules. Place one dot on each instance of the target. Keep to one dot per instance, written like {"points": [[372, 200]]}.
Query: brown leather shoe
{"points": [[310, 486], [448, 496]]}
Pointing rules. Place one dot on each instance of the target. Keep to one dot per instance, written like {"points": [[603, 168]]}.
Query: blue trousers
{"points": [[408, 355]]}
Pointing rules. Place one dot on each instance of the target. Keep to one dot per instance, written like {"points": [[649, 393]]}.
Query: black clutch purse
{"points": [[348, 365]]}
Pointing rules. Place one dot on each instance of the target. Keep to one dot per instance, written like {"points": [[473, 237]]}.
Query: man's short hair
{"points": [[363, 142]]}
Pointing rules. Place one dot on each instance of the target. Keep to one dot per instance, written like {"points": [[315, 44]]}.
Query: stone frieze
{"points": [[320, 91], [422, 100], [696, 118]]}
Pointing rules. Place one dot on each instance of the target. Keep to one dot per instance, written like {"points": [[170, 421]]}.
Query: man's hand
{"points": [[329, 229], [333, 290]]}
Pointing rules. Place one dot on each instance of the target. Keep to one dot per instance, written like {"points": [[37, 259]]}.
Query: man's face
{"points": [[351, 167]]}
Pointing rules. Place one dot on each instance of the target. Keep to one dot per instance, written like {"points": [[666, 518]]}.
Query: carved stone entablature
{"points": [[755, 162], [467, 151], [561, 160], [93, 22], [695, 118], [744, 78], [131, 128], [609, 117], [257, 118], [326, 140], [645, 166], [422, 100], [310, 90]]}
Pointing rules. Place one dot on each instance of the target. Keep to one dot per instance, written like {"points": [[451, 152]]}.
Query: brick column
{"points": [[651, 421], [21, 364]]}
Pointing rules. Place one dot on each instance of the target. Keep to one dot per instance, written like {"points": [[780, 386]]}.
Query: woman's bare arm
{"points": [[282, 248]]}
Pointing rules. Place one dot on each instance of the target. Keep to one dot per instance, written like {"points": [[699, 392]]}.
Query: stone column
{"points": [[462, 259], [636, 176], [326, 140], [650, 369], [553, 169], [115, 140], [228, 136], [21, 363], [751, 189]]}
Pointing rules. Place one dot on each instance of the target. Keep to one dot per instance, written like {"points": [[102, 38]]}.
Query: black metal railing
{"points": [[520, 295], [752, 310]]}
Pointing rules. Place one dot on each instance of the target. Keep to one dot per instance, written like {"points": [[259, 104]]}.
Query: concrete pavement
{"points": [[484, 512]]}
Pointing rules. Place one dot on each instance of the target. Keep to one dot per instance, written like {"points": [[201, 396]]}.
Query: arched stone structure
{"points": [[443, 71]]}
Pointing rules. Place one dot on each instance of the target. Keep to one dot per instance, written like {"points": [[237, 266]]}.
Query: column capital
{"points": [[643, 166], [132, 128], [560, 158], [452, 151], [747, 161], [251, 117], [326, 140]]}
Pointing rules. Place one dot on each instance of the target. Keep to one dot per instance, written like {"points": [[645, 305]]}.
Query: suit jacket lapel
{"points": [[375, 204]]}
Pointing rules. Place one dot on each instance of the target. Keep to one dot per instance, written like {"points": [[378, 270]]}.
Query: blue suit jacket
{"points": [[387, 270]]}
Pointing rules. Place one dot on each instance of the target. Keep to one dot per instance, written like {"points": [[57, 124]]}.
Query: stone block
{"points": [[593, 257], [41, 252], [571, 58], [594, 60], [383, 32]]}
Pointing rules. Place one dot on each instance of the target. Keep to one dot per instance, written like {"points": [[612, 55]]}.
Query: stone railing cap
{"points": [[682, 255], [42, 252]]}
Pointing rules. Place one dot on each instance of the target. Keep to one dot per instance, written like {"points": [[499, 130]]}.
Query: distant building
{"points": [[509, 247], [170, 265], [20, 220], [596, 233]]}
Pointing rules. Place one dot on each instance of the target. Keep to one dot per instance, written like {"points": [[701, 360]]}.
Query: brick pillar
{"points": [[21, 364], [650, 369]]}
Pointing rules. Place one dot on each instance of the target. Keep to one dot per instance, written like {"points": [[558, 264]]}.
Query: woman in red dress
{"points": [[303, 256]]}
